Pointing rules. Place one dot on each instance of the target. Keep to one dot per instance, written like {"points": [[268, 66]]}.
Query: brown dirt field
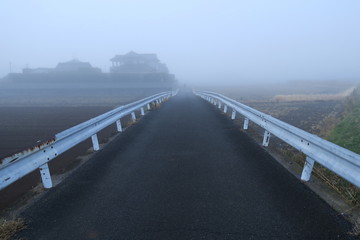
{"points": [[247, 91], [307, 115], [69, 97], [22, 127]]}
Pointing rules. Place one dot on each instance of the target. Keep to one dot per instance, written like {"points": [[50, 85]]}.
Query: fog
{"points": [[200, 41]]}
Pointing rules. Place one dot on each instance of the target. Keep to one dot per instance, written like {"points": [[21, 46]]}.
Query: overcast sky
{"points": [[209, 40]]}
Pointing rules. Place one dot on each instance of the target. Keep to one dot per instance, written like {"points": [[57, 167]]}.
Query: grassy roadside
{"points": [[347, 132], [347, 135], [8, 228]]}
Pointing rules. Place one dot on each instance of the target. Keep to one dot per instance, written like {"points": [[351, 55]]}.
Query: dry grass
{"points": [[314, 97], [8, 228], [350, 192], [356, 230], [347, 190]]}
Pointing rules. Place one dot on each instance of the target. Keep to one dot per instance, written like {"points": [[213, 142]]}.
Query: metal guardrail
{"points": [[339, 160], [20, 164]]}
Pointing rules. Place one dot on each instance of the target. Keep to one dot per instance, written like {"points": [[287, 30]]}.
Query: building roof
{"points": [[134, 55], [73, 65]]}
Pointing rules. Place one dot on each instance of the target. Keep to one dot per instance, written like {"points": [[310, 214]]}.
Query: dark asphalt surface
{"points": [[183, 172]]}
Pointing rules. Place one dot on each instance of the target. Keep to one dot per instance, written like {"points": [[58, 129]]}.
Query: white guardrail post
{"points": [[246, 124], [339, 160], [225, 109], [20, 164], [266, 138], [308, 167], [95, 142], [233, 114], [118, 126], [133, 116], [45, 176]]}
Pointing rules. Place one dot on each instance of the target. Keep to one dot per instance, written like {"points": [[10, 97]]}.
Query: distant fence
{"points": [[341, 161], [20, 164]]}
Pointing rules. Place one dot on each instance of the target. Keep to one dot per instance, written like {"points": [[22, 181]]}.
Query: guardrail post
{"points": [[95, 142], [246, 124], [133, 116], [148, 106], [45, 176], [225, 108], [308, 167], [266, 139], [219, 106], [233, 114], [118, 126], [142, 111]]}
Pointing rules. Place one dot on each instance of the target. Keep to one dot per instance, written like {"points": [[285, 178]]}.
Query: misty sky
{"points": [[203, 41]]}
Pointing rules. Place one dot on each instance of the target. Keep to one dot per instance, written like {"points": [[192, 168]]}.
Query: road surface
{"points": [[183, 172]]}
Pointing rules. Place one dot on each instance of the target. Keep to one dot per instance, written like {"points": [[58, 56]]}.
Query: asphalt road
{"points": [[183, 172]]}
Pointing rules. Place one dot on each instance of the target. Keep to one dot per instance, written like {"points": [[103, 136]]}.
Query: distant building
{"points": [[37, 70], [73, 66], [133, 62]]}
